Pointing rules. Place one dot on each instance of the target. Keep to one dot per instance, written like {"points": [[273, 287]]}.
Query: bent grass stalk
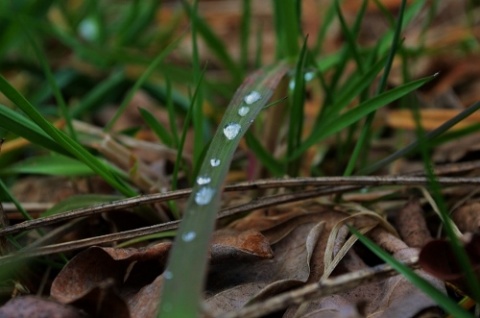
{"points": [[188, 259]]}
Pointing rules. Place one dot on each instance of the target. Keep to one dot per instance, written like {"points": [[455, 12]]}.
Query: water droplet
{"points": [[204, 195], [203, 180], [167, 275], [231, 130], [242, 111], [214, 162], [308, 76], [189, 236], [251, 98]]}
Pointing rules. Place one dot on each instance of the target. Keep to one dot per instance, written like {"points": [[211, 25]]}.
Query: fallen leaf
{"points": [[36, 307]]}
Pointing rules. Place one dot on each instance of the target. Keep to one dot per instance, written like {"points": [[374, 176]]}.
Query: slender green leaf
{"points": [[297, 103], [151, 68], [193, 239], [332, 126], [24, 127], [54, 165], [79, 201], [64, 140], [441, 299], [157, 128]]}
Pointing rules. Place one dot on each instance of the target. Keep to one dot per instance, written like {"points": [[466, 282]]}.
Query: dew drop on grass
{"points": [[242, 111], [231, 130], [167, 275], [204, 195], [203, 180], [214, 162], [189, 236], [252, 97]]}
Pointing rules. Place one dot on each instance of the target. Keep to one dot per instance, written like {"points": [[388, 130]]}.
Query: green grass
{"points": [[109, 40]]}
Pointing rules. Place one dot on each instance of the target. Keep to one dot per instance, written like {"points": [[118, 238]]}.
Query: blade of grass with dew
{"points": [[333, 125], [297, 105], [429, 137], [185, 273], [455, 243], [363, 140], [64, 140], [214, 43], [161, 132], [440, 298], [16, 123], [150, 69]]}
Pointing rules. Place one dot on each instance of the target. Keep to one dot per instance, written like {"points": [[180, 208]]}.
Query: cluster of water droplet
{"points": [[205, 194]]}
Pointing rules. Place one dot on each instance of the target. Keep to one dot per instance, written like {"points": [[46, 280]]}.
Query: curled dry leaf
{"points": [[234, 244], [411, 225], [109, 278], [231, 284], [394, 297]]}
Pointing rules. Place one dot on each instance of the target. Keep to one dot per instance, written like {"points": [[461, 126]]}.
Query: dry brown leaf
{"points": [[438, 259], [233, 244], [241, 281], [36, 307], [411, 225]]}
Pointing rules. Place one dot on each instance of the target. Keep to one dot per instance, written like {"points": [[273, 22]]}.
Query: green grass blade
{"points": [[96, 95], [287, 24], [198, 116], [429, 137], [267, 160], [296, 118], [64, 140], [455, 243], [352, 46], [193, 239], [441, 299], [245, 33], [363, 141], [51, 80], [162, 133], [215, 44], [333, 125], [54, 165], [150, 69], [24, 127]]}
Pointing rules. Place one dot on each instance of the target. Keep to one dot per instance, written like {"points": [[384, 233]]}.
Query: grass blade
{"points": [[192, 242], [441, 299], [333, 125], [162, 133], [64, 140]]}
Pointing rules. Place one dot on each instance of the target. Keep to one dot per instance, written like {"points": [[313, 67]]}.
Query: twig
{"points": [[243, 186], [323, 288]]}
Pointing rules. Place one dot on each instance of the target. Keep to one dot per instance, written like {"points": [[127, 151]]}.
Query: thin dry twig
{"points": [[323, 288], [355, 182]]}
